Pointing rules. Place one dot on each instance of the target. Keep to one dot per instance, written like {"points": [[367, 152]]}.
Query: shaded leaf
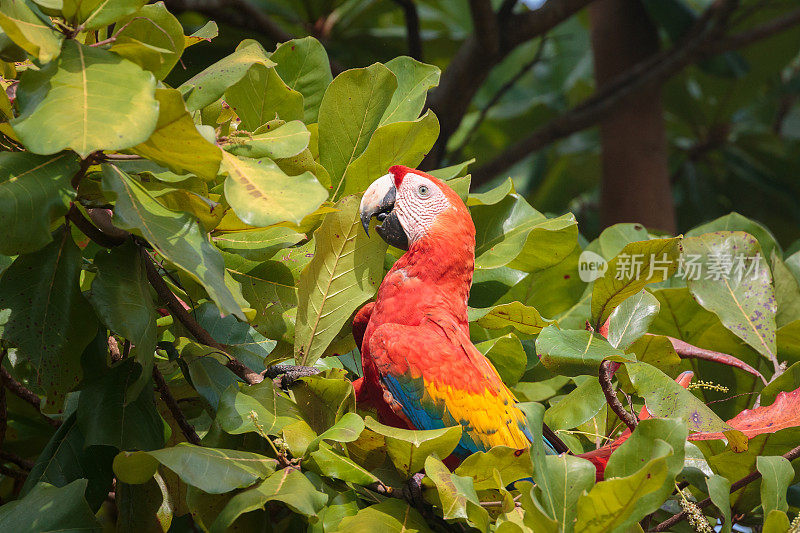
{"points": [[94, 14], [66, 510], [776, 474], [631, 319], [152, 38], [575, 352], [389, 516], [20, 22], [457, 496], [258, 408], [499, 462], [258, 244], [507, 356]]}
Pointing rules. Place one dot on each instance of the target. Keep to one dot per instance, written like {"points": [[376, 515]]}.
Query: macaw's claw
{"points": [[412, 491], [284, 376]]}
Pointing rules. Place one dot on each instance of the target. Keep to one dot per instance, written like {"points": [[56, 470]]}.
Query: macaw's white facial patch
{"points": [[419, 202]]}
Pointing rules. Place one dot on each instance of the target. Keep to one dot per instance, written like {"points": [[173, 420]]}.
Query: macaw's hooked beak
{"points": [[378, 201]]}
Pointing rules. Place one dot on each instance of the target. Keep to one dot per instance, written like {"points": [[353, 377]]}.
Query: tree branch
{"points": [[412, 28], [82, 223], [239, 13], [17, 460], [179, 312], [25, 394], [484, 25], [163, 389], [607, 369], [10, 472], [703, 42], [791, 455]]}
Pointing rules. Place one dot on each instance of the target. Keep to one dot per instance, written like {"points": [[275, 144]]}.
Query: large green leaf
{"points": [[739, 292], [286, 140], [511, 232], [631, 319], [389, 516], [47, 508], [149, 506], [50, 322], [87, 100], [496, 468], [326, 462], [349, 114], [94, 14], [398, 143], [457, 496], [523, 318], [109, 416], [261, 96], [244, 342], [288, 486], [176, 143], [507, 356], [638, 264], [31, 30], [580, 405], [66, 458], [152, 38], [414, 79], [575, 352], [258, 244], [212, 470], [261, 194], [324, 399], [257, 408], [665, 398], [345, 272], [210, 84], [787, 292], [303, 65], [568, 477], [776, 473], [408, 448], [34, 192], [736, 222], [121, 296], [176, 236]]}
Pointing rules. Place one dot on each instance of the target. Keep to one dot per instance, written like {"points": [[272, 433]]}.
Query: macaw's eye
{"points": [[423, 191]]}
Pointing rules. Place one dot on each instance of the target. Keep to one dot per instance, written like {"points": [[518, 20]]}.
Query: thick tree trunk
{"points": [[635, 186]]}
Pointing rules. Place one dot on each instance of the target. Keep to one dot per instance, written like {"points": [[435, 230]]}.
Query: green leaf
{"points": [[94, 14], [523, 318], [258, 244], [209, 377], [349, 114], [77, 102], [398, 143], [327, 462], [24, 24], [614, 238], [457, 496], [346, 429], [631, 319], [744, 301], [492, 196], [323, 399], [303, 65], [511, 232], [345, 272], [569, 477], [284, 141], [176, 236], [719, 489], [507, 356], [637, 265], [665, 398], [245, 343], [50, 322], [288, 486], [145, 507], [261, 96], [262, 195], [152, 38], [613, 505], [580, 405], [776, 473], [648, 441], [414, 79], [176, 143], [47, 508], [212, 470], [206, 33], [496, 468], [575, 352], [787, 292], [389, 516], [209, 85], [121, 296], [408, 448], [258, 408], [108, 415], [65, 459], [736, 222], [34, 192]]}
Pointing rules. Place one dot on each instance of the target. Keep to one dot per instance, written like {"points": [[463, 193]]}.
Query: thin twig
{"points": [[25, 394], [791, 455], [606, 372], [412, 28], [122, 157], [690, 351], [163, 389], [179, 312], [17, 460]]}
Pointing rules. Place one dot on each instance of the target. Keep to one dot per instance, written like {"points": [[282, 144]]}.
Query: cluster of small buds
{"points": [[794, 527], [697, 519], [253, 416], [708, 385]]}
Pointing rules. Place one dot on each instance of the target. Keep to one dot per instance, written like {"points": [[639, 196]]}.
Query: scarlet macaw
{"points": [[421, 371]]}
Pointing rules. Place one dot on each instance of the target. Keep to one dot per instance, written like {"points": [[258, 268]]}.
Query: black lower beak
{"points": [[389, 229]]}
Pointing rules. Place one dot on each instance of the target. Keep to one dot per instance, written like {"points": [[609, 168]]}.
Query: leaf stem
{"points": [[607, 370]]}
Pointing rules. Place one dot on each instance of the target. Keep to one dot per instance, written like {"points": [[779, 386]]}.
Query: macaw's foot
{"points": [[412, 491], [285, 375]]}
